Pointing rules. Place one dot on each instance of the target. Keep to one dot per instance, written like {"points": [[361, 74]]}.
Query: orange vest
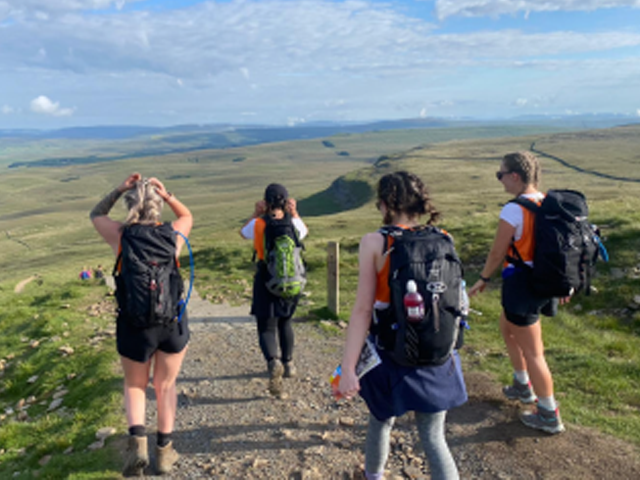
{"points": [[526, 243], [258, 237]]}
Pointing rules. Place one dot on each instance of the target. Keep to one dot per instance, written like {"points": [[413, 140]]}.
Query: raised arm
{"points": [[110, 229], [259, 210], [184, 220]]}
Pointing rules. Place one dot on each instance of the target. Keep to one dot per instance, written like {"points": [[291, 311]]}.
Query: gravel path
{"points": [[229, 427]]}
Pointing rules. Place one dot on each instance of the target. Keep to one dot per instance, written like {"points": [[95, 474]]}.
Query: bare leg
{"points": [[513, 349], [165, 373], [136, 378], [528, 342]]}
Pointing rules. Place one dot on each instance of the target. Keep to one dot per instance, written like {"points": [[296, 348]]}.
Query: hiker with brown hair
{"points": [[150, 333], [431, 382]]}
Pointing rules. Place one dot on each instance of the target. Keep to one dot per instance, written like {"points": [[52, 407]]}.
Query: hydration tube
{"points": [[602, 250], [186, 300]]}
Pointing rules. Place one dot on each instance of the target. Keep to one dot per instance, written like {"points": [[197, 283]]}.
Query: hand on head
{"points": [[260, 208], [291, 206], [159, 186], [130, 182]]}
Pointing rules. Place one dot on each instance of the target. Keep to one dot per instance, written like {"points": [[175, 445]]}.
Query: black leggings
{"points": [[267, 337]]}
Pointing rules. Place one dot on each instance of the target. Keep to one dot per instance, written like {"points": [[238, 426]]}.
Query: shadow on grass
{"points": [[341, 196]]}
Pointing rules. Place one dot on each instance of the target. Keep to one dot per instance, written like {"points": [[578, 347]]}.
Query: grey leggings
{"points": [[431, 432]]}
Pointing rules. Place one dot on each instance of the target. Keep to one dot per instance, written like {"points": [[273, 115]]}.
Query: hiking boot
{"points": [[276, 370], [519, 391], [166, 457], [136, 457], [290, 370], [542, 419]]}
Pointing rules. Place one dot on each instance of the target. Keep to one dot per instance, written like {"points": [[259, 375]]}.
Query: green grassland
{"points": [[593, 345]]}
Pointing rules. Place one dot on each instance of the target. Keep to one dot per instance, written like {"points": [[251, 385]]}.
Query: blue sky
{"points": [[165, 62]]}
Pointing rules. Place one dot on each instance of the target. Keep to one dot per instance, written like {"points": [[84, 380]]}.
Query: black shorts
{"points": [[522, 306], [139, 344]]}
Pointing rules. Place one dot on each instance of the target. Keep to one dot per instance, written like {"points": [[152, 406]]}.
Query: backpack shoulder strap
{"points": [[528, 204], [389, 232]]}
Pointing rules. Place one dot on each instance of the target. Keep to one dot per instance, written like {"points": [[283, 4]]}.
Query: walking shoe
{"points": [[290, 370], [276, 370], [136, 457], [519, 391], [542, 419], [166, 457]]}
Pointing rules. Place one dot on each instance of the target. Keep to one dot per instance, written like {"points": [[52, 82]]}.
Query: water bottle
{"points": [[464, 299], [334, 380], [413, 303]]}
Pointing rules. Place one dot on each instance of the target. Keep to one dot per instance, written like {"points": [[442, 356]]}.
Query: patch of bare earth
{"points": [[228, 426], [23, 283]]}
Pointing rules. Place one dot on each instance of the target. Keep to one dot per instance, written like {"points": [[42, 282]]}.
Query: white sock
{"points": [[521, 376], [548, 403]]}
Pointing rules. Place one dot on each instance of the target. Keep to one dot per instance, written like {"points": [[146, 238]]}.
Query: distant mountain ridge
{"points": [[311, 129]]}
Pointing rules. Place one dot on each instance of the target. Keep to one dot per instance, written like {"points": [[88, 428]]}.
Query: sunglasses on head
{"points": [[500, 174]]}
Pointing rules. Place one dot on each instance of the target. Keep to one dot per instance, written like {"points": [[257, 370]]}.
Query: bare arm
{"points": [[184, 220], [360, 320], [258, 211], [496, 256]]}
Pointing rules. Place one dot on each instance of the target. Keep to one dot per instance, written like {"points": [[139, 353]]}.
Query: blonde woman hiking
{"points": [[520, 326], [152, 328]]}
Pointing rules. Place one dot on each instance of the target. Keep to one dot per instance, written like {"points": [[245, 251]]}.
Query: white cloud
{"points": [[423, 113], [180, 82], [521, 102], [638, 112], [245, 72], [495, 8], [40, 6], [45, 106], [6, 109], [293, 121]]}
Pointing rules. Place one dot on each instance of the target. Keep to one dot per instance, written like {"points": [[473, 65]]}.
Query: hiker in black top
{"points": [[164, 345], [391, 389], [273, 313]]}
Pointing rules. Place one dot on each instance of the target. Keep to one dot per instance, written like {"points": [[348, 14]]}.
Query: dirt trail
{"points": [[20, 286], [229, 427]]}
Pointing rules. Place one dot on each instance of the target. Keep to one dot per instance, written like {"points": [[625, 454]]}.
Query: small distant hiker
{"points": [[152, 325], [520, 325], [98, 273], [275, 224], [419, 368], [85, 274]]}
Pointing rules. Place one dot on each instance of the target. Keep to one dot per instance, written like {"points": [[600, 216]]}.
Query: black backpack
{"points": [[149, 287], [566, 244], [427, 256], [286, 272]]}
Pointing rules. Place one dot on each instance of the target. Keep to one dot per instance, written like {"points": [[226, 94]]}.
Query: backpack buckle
{"points": [[436, 287]]}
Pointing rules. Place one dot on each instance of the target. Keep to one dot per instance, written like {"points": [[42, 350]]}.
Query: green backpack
{"points": [[286, 271]]}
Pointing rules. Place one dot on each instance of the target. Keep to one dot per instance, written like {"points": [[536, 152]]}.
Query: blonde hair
{"points": [[525, 164], [143, 203]]}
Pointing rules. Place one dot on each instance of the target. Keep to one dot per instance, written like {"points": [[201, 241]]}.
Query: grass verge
{"points": [[57, 346]]}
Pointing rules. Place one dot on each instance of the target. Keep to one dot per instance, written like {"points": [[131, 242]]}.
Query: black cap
{"points": [[275, 193]]}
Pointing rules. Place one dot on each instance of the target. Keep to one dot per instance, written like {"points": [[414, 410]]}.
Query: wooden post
{"points": [[333, 277]]}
